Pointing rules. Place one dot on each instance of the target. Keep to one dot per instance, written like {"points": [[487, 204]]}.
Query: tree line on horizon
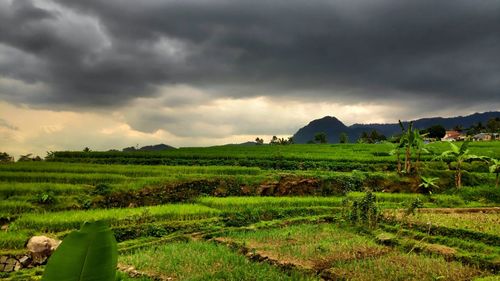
{"points": [[435, 132]]}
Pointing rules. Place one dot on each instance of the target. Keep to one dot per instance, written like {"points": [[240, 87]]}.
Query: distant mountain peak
{"points": [[158, 147], [328, 122]]}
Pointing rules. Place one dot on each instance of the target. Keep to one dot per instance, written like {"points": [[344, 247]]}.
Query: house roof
{"points": [[481, 135], [452, 134]]}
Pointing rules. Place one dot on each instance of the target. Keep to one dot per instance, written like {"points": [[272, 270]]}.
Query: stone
{"points": [[17, 266], [10, 264], [25, 260], [41, 247]]}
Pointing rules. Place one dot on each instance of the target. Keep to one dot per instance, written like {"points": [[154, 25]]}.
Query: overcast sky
{"points": [[114, 73]]}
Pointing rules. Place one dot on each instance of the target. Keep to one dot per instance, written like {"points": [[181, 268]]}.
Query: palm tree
{"points": [[25, 158], [459, 155]]}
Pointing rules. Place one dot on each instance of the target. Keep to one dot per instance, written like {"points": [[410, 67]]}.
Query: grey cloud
{"points": [[348, 51]]}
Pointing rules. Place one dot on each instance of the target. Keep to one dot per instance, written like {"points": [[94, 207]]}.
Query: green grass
{"points": [[488, 278], [336, 168], [14, 239], [397, 266], [309, 246], [30, 274], [59, 221], [15, 207], [374, 153], [480, 222], [482, 193], [203, 261], [126, 170], [54, 177], [461, 244], [392, 200], [231, 203], [402, 200], [9, 189]]}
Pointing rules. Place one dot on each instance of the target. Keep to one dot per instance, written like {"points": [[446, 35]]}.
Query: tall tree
{"points": [[274, 140], [5, 158], [436, 132], [25, 158], [343, 138], [320, 137], [493, 125]]}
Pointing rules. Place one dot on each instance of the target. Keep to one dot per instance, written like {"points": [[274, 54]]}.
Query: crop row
{"points": [[337, 152], [9, 189], [59, 221], [61, 177], [126, 170]]}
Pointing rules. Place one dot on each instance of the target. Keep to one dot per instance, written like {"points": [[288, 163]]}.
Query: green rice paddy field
{"points": [[297, 212]]}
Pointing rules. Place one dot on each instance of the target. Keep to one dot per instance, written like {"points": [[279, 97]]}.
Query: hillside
{"points": [[158, 147], [334, 127]]}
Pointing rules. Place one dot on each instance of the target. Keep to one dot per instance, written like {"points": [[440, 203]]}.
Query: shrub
{"points": [[101, 189], [364, 211], [487, 193], [45, 198]]}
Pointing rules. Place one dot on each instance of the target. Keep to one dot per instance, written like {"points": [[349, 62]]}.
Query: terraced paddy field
{"points": [[295, 212]]}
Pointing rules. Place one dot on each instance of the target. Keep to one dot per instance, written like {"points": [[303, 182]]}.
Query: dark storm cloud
{"points": [[346, 51]]}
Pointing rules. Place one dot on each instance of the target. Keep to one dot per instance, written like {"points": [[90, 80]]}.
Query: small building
{"points": [[482, 137], [454, 136]]}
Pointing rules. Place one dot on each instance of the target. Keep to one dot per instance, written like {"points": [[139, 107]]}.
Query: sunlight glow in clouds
{"points": [[219, 122]]}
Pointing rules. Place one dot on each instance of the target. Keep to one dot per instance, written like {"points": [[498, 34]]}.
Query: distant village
{"points": [[477, 132], [461, 136]]}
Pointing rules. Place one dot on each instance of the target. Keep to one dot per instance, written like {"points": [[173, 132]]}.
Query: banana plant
{"points": [[408, 142], [397, 151], [419, 144], [428, 183], [495, 168], [459, 155], [89, 254]]}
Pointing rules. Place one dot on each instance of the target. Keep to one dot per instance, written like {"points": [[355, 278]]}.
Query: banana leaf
{"points": [[88, 254]]}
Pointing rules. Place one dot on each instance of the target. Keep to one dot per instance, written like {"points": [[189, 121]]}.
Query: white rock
{"points": [[41, 247]]}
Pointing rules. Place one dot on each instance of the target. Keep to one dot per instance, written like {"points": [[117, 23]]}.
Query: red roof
{"points": [[452, 134]]}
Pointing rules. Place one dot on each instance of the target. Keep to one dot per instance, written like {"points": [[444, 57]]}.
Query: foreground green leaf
{"points": [[89, 254]]}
